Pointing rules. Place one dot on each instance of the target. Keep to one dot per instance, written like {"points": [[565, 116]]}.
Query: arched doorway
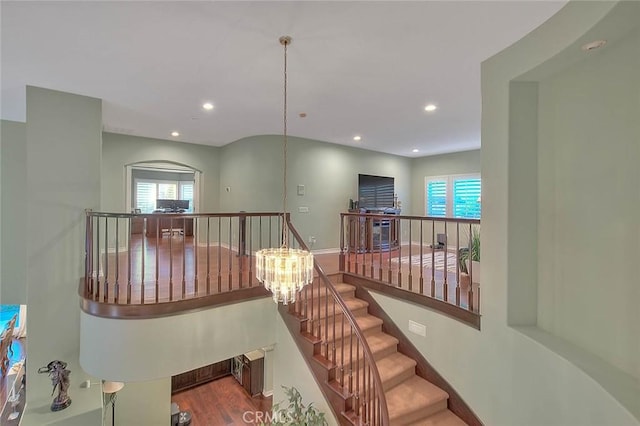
{"points": [[148, 181]]}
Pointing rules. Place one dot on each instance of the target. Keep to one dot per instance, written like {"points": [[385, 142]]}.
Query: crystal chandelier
{"points": [[284, 271]]}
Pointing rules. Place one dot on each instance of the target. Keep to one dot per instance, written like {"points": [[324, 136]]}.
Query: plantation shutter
{"points": [[167, 191], [466, 198], [437, 197], [186, 193], [145, 196]]}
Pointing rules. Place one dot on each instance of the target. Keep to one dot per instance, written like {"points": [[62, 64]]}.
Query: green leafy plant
{"points": [[474, 240], [296, 413]]}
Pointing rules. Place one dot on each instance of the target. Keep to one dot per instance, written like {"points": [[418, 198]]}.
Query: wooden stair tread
{"points": [[367, 323], [414, 399], [318, 311], [381, 345], [380, 341], [394, 369], [442, 418]]}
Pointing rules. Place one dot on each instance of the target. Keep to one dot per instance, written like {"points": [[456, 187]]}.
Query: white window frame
{"points": [[449, 179]]}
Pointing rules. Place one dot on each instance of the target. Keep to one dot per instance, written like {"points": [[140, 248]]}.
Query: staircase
{"points": [[340, 362]]}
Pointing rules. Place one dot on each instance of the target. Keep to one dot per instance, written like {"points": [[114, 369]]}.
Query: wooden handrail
{"points": [[368, 355], [398, 216]]}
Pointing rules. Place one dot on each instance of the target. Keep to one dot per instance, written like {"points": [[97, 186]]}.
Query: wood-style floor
{"points": [[222, 402], [174, 268]]}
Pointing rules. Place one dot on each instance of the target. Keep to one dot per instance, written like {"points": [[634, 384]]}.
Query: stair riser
{"points": [[346, 290], [387, 383], [338, 324], [342, 336], [398, 378], [419, 414], [378, 355], [322, 314]]}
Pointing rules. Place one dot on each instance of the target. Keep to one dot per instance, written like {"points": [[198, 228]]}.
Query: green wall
{"points": [[252, 169], [63, 144], [247, 175], [557, 368], [14, 205], [149, 351], [589, 230], [121, 150]]}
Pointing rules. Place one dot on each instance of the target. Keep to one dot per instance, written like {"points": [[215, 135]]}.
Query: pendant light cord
{"points": [[285, 226]]}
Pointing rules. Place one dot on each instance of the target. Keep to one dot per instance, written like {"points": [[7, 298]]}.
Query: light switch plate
{"points": [[300, 189]]}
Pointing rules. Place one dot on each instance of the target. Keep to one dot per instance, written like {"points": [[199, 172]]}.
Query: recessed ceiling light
{"points": [[593, 45], [175, 134], [430, 108], [357, 138], [415, 150], [208, 106]]}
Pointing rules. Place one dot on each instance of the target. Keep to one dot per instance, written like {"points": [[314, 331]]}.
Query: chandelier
{"points": [[284, 271]]}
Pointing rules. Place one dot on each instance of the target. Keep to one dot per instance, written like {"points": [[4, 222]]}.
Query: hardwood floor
{"points": [[221, 402], [175, 268]]}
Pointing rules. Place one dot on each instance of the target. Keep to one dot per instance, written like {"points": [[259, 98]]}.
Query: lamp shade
{"points": [[111, 387], [284, 271]]}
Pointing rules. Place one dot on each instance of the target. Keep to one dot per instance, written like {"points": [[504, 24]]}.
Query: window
{"points": [[146, 195], [186, 193], [147, 191], [455, 196]]}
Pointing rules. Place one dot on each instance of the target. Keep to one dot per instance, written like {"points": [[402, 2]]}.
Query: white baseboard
{"points": [[326, 251], [267, 394]]}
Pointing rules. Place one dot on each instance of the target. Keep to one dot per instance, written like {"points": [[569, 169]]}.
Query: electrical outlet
{"points": [[303, 209], [417, 328], [312, 239]]}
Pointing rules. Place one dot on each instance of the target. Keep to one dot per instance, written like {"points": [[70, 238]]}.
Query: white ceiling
{"points": [[355, 68]]}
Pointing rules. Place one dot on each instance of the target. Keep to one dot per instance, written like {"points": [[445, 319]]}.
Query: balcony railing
{"points": [[436, 258], [136, 260], [140, 265]]}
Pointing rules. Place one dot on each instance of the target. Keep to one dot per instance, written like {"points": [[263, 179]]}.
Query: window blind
{"points": [[466, 198], [437, 198]]}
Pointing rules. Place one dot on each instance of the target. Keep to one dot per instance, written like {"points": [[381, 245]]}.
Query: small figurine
{"points": [[59, 379]]}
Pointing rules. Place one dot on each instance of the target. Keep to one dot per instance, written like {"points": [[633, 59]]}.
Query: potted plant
{"points": [[296, 413], [474, 256]]}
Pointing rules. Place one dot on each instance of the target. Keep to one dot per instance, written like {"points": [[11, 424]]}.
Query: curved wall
{"points": [[148, 349], [521, 375]]}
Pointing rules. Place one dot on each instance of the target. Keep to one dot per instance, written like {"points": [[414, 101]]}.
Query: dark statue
{"points": [[59, 379]]}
